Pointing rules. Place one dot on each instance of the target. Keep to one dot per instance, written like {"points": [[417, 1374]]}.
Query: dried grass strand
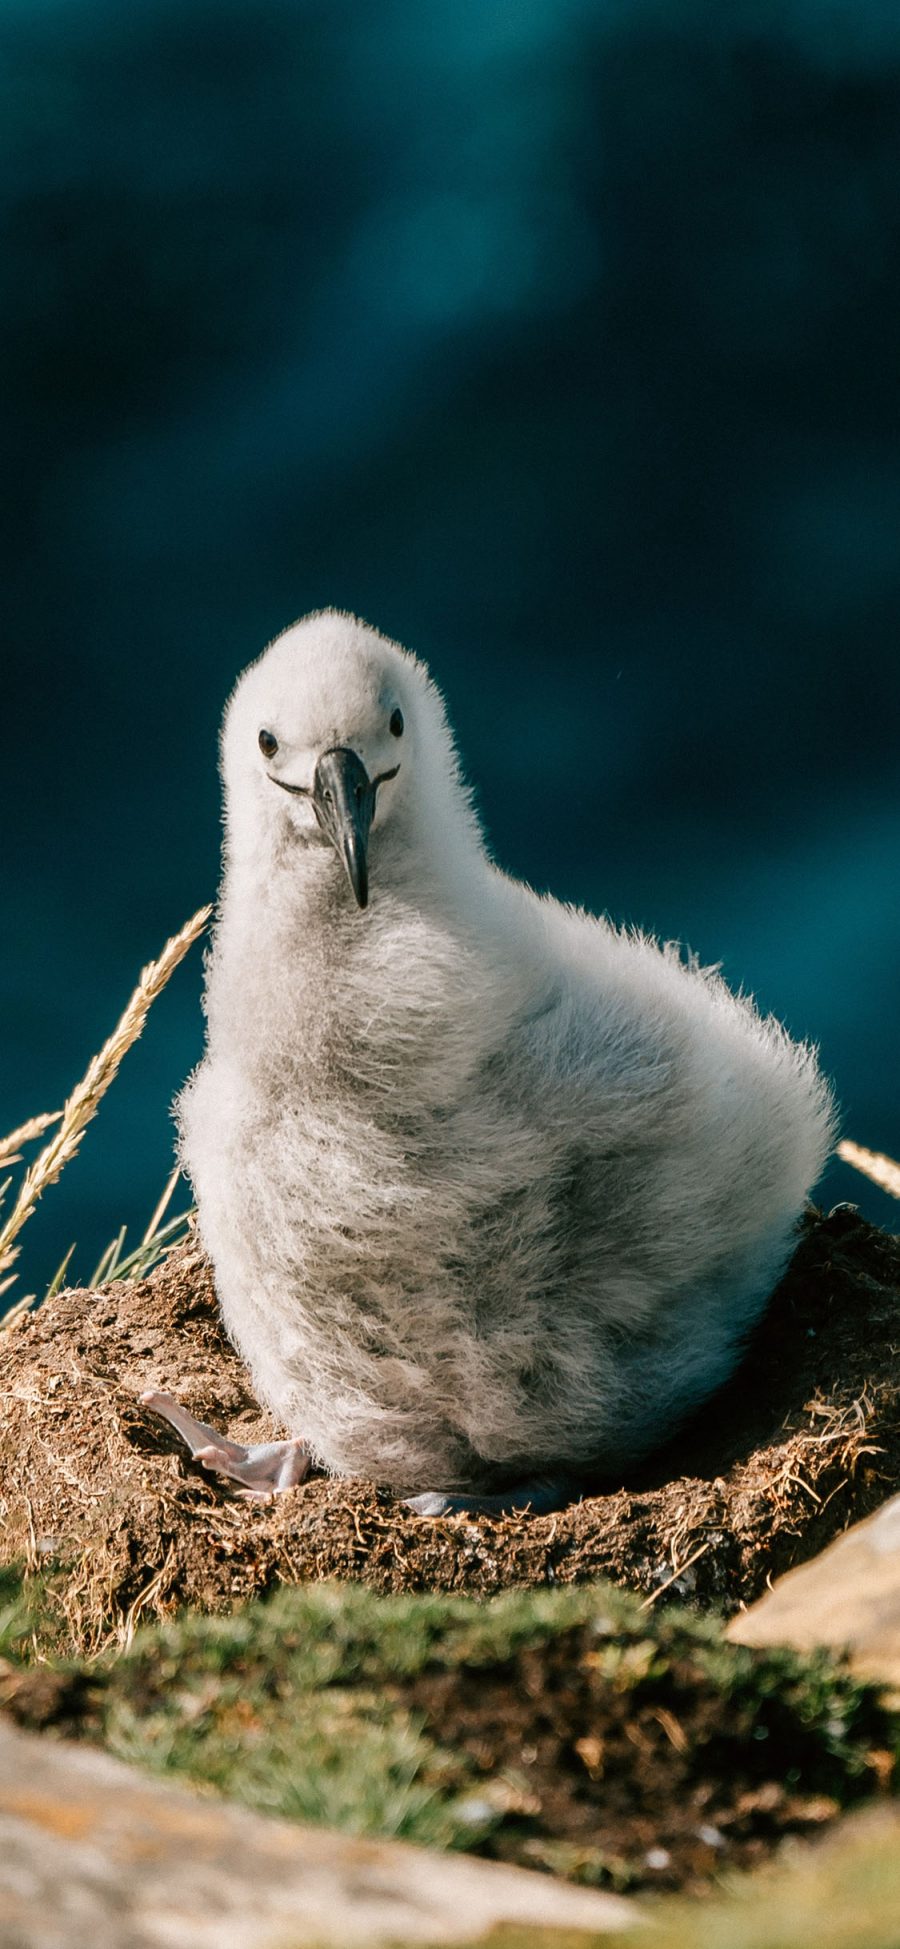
{"points": [[85, 1099], [882, 1170], [155, 1224], [10, 1147], [679, 1571], [19, 1310]]}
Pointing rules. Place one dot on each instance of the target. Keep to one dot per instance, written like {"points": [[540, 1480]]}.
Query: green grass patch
{"points": [[19, 1613], [564, 1729]]}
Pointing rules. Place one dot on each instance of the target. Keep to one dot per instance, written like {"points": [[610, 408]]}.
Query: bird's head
{"points": [[327, 739]]}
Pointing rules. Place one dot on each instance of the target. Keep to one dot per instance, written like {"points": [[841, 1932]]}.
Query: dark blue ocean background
{"points": [[562, 341]]}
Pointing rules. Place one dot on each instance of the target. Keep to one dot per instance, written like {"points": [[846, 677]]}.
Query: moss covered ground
{"points": [[568, 1730]]}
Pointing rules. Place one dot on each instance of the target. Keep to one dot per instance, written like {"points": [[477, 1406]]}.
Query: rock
{"points": [[95, 1856], [847, 1597]]}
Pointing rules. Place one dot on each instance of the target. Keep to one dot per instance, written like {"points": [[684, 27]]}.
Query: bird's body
{"points": [[490, 1188]]}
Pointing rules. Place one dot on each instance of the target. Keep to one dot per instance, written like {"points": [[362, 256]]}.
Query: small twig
{"points": [[800, 1484], [32, 1557], [835, 1492], [682, 1567], [143, 1598], [355, 1520]]}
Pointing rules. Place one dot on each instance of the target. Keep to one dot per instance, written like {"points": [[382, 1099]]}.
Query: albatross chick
{"points": [[493, 1191]]}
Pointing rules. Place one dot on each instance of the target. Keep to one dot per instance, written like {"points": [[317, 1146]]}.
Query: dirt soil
{"points": [[805, 1440], [660, 1783]]}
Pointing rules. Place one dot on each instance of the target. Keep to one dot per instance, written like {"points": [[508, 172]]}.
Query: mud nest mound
{"points": [[803, 1441]]}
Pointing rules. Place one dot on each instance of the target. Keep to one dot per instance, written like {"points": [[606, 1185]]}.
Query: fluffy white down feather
{"points": [[489, 1186]]}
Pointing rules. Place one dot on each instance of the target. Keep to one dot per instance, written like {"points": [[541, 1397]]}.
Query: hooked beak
{"points": [[343, 797]]}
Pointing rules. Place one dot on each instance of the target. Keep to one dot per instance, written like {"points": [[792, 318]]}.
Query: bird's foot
{"points": [[262, 1471], [539, 1498]]}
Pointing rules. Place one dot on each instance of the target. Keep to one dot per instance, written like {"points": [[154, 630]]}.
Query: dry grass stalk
{"points": [[85, 1099], [873, 1164], [17, 1312], [10, 1151]]}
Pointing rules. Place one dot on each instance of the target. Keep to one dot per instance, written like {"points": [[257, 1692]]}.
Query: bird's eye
{"points": [[396, 724], [268, 744]]}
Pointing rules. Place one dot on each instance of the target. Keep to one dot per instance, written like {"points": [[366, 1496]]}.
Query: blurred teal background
{"points": [[559, 340]]}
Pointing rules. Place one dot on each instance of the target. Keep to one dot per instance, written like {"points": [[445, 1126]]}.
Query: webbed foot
{"points": [[263, 1471], [539, 1498]]}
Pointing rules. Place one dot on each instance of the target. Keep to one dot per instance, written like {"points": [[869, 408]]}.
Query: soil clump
{"points": [[803, 1441], [652, 1779]]}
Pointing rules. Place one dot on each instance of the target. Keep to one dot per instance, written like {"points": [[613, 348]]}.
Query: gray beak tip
{"points": [[344, 801]]}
